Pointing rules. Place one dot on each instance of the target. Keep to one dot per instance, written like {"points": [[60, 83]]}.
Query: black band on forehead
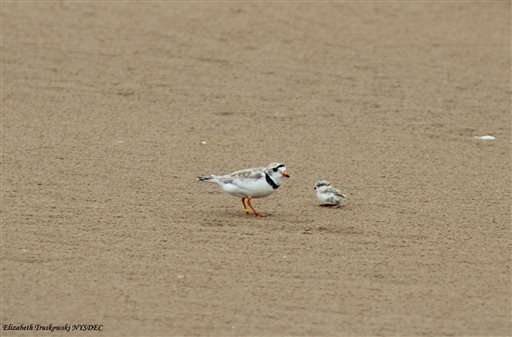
{"points": [[277, 167]]}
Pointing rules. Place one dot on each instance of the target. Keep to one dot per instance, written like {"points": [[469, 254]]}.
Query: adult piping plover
{"points": [[251, 183], [328, 195]]}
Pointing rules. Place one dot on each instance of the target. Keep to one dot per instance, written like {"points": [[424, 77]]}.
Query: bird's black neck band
{"points": [[271, 182]]}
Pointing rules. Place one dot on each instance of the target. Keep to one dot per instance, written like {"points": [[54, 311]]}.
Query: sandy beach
{"points": [[110, 110]]}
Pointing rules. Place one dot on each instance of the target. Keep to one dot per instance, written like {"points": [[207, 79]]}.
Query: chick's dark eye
{"points": [[274, 169]]}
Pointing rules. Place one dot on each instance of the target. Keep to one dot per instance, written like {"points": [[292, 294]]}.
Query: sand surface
{"points": [[111, 110]]}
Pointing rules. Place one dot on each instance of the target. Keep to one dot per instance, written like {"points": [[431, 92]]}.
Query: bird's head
{"points": [[321, 183], [277, 171]]}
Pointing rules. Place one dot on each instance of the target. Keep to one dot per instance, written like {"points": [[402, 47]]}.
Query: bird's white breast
{"points": [[257, 188], [328, 198]]}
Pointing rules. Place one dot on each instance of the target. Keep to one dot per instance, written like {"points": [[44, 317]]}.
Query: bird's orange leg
{"points": [[252, 208], [247, 211]]}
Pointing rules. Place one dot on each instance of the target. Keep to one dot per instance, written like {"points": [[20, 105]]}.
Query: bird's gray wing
{"points": [[334, 191], [249, 174], [226, 179]]}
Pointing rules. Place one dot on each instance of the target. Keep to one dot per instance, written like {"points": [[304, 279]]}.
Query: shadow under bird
{"points": [[328, 195], [251, 183]]}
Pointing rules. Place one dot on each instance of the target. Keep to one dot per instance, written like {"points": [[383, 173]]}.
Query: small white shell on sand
{"points": [[486, 137], [203, 142]]}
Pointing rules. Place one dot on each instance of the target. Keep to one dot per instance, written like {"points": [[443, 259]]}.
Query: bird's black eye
{"points": [[274, 169]]}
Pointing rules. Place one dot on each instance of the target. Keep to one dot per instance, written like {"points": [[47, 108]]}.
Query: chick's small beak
{"points": [[286, 174]]}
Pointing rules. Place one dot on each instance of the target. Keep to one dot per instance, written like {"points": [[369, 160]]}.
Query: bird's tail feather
{"points": [[206, 178]]}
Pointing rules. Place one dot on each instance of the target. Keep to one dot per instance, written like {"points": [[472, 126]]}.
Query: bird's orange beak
{"points": [[286, 174]]}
